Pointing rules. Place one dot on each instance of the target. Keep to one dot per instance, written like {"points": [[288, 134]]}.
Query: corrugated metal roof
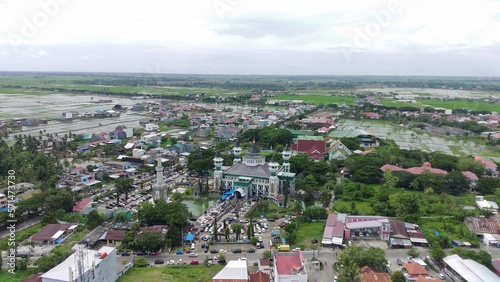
{"points": [[470, 270]]}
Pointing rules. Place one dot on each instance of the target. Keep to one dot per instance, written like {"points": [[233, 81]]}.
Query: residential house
{"points": [[183, 135], [264, 265], [371, 115], [85, 206], [114, 236], [337, 151], [364, 138], [226, 133], [491, 167], [201, 130], [416, 272], [289, 266], [368, 274], [53, 233], [259, 276], [152, 127]]}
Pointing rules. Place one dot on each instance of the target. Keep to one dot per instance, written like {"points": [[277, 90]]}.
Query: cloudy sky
{"points": [[320, 37]]}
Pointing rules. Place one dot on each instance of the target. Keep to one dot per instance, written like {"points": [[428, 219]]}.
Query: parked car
{"points": [[171, 262], [179, 252], [399, 261], [159, 261], [125, 254], [213, 251], [154, 253], [251, 250], [193, 255], [195, 261], [140, 253], [237, 251]]}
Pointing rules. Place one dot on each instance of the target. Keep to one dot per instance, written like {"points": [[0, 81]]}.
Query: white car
{"points": [[193, 255], [222, 251]]}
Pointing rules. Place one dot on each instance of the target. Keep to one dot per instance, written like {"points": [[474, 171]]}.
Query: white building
{"points": [[459, 269], [85, 265], [288, 267], [234, 271], [152, 127]]}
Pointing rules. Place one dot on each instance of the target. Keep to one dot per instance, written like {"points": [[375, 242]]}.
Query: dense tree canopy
{"points": [[373, 257]]}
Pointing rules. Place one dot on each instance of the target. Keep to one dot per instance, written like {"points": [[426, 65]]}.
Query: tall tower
{"points": [[218, 170], [273, 179], [287, 153], [159, 188], [237, 153]]}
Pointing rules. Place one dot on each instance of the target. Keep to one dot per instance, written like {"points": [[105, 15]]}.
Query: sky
{"points": [[262, 37]]}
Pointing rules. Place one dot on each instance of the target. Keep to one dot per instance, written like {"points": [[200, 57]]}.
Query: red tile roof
{"points": [[369, 275], [415, 269], [314, 148], [470, 175], [83, 203], [415, 170]]}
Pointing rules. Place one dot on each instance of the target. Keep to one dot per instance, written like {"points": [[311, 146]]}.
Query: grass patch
{"points": [[346, 207], [307, 232], [449, 227], [171, 273], [19, 275], [20, 236]]}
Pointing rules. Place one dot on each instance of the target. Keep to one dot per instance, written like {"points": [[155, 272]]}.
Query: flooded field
{"points": [[409, 139], [52, 106]]}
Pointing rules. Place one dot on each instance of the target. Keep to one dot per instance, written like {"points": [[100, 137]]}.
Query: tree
{"points": [[215, 238], [122, 186], [140, 262], [373, 257], [488, 185], [237, 227], [398, 276], [469, 164], [151, 241], [456, 182], [437, 253], [315, 213], [267, 254], [94, 219], [349, 270], [390, 180], [413, 253], [350, 143]]}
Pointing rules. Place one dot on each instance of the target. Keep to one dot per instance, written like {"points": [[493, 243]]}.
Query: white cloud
{"points": [[214, 28]]}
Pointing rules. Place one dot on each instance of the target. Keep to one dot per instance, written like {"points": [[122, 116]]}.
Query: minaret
{"points": [[237, 153], [286, 156], [218, 170], [159, 188], [273, 179]]}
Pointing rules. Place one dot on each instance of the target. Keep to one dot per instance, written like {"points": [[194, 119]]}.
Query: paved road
{"points": [[20, 226]]}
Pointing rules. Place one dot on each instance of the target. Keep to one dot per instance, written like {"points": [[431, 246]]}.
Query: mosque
{"points": [[251, 176]]}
